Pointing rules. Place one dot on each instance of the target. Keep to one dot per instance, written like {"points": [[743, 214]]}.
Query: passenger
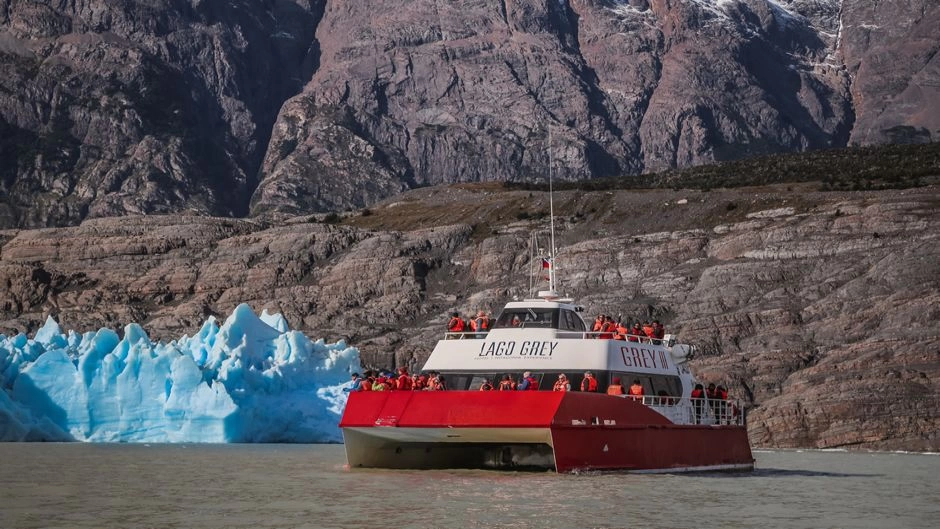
{"points": [[529, 383], [607, 330], [379, 384], [456, 323], [486, 386], [647, 332], [658, 332], [636, 390], [354, 385], [441, 383], [391, 382], [635, 333], [721, 405], [621, 332], [507, 384], [615, 387], [421, 383], [483, 322], [562, 384], [589, 383], [366, 384], [697, 396], [598, 323], [516, 321], [405, 383]]}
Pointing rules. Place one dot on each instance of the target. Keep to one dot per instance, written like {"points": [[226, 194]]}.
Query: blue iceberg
{"points": [[249, 380]]}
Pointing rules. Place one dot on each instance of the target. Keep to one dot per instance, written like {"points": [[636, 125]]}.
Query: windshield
{"points": [[528, 318]]}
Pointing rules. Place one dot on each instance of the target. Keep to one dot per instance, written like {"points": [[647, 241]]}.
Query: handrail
{"points": [[467, 335], [702, 411], [635, 338]]}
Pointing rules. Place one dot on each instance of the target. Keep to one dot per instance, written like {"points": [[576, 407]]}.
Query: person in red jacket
{"points": [[589, 383], [636, 390], [658, 332], [529, 383], [698, 399], [421, 383], [486, 386], [635, 332], [456, 323], [404, 379]]}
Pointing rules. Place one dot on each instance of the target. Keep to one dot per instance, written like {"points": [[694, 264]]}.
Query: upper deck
{"points": [[550, 335]]}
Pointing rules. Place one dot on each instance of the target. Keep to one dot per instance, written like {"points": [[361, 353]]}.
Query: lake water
{"points": [[292, 486]]}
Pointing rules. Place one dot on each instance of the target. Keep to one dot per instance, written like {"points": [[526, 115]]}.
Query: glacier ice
{"points": [[251, 379]]}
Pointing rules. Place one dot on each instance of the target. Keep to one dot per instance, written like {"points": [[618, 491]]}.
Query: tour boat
{"points": [[665, 430]]}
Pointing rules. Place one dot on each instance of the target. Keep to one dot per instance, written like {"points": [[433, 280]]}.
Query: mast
{"points": [[551, 214]]}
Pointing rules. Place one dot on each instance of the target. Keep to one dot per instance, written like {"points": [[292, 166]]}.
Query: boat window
{"points": [[478, 380], [528, 318], [570, 321], [652, 384]]}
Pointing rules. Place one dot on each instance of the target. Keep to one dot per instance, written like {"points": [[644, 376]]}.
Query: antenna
{"points": [[551, 212]]}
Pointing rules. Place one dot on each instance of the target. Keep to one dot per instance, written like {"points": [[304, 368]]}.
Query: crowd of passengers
{"points": [[605, 328], [713, 398], [402, 380], [609, 329]]}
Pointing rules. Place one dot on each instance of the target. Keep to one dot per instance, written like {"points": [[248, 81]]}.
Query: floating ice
{"points": [[249, 380]]}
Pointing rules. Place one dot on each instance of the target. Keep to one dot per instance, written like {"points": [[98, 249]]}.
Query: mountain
{"points": [[118, 107]]}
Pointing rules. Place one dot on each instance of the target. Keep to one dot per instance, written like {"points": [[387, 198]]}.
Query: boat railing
{"points": [[469, 335], [635, 338], [696, 411]]}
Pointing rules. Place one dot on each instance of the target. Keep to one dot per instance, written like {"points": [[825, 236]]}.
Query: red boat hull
{"points": [[564, 431]]}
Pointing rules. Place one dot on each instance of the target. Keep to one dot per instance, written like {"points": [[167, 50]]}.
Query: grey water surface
{"points": [[292, 486]]}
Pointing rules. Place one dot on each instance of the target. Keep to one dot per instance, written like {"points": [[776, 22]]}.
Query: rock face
{"points": [[819, 309], [121, 107]]}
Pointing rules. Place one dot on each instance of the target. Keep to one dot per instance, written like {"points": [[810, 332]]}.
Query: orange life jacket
{"points": [[697, 394], [636, 390], [621, 333], [506, 385], [648, 330], [615, 389], [560, 385], [455, 325], [484, 324], [366, 385]]}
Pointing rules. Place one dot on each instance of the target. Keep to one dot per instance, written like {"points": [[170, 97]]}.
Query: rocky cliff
{"points": [[819, 309], [120, 107]]}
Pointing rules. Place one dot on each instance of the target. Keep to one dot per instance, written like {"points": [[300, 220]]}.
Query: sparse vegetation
{"points": [[849, 169]]}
